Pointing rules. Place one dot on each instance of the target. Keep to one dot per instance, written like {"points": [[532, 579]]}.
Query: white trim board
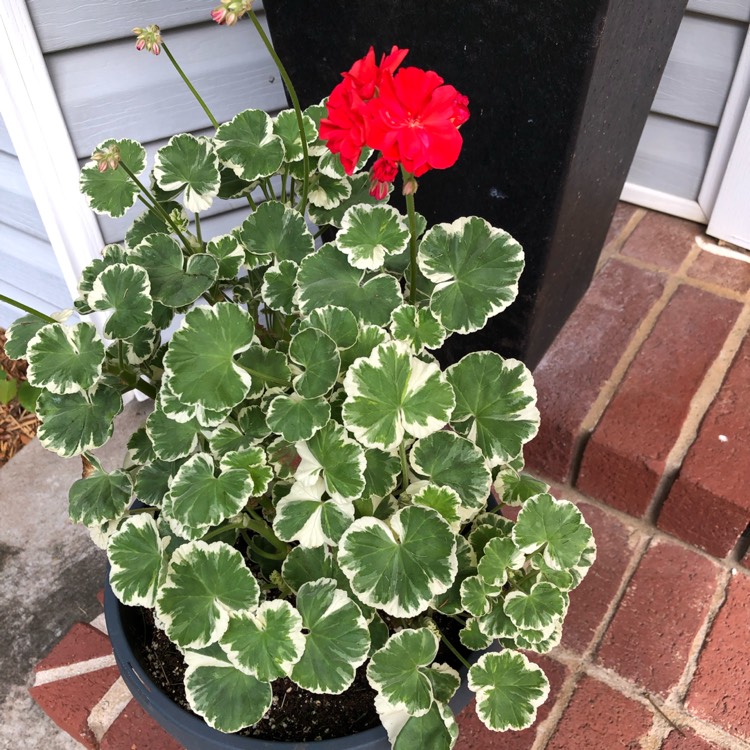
{"points": [[33, 118], [665, 202]]}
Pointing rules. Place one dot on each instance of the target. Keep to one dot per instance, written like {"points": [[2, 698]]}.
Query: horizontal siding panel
{"points": [[29, 264], [672, 156], [700, 69], [112, 91], [8, 313], [17, 206], [61, 25], [6, 145], [739, 10]]}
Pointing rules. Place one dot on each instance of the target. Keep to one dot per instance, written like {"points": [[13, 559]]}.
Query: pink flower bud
{"points": [[148, 38], [230, 11]]}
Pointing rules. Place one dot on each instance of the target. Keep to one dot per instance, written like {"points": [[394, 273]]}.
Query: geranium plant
{"points": [[316, 493]]}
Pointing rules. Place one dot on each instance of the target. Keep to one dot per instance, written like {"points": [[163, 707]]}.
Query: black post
{"points": [[558, 92]]}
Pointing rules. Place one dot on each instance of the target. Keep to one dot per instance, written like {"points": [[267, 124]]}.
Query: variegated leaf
{"points": [[248, 145], [111, 191], [369, 233]]}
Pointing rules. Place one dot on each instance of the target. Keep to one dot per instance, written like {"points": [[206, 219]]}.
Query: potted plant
{"points": [[320, 505]]}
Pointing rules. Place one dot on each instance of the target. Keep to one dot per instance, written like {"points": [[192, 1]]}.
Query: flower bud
{"points": [[230, 11], [107, 158], [148, 38]]}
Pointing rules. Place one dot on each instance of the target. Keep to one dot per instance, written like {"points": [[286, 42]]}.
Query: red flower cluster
{"points": [[410, 116]]}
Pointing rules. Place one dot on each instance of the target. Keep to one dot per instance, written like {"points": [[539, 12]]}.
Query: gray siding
{"points": [[676, 142], [29, 271], [107, 89]]}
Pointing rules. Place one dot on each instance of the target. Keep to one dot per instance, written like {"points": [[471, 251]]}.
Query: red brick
{"points": [[134, 729], [589, 602], [728, 272], [721, 685], [599, 718], [581, 359], [69, 702], [82, 642], [709, 504], [473, 735], [626, 455], [688, 740], [664, 606], [662, 240]]}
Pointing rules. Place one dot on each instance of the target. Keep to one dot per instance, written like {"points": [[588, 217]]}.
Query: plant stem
{"points": [[404, 466], [260, 526], [198, 229], [198, 97], [121, 354], [223, 529], [295, 102], [412, 243], [454, 651], [157, 206], [146, 388], [26, 308]]}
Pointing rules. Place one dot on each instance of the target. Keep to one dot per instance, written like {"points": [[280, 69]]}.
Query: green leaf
{"points": [[475, 595], [136, 558], [65, 359], [444, 500], [515, 489], [495, 404], [418, 327], [446, 459], [268, 368], [198, 498], [112, 192], [326, 278], [437, 729], [541, 609], [279, 286], [152, 481], [163, 260], [449, 602], [126, 291], [190, 164], [253, 462], [359, 193], [305, 564], [509, 689], [338, 639], [305, 517], [500, 556], [20, 333], [472, 637], [296, 418], [368, 338], [391, 393], [336, 459], [337, 322], [152, 221], [27, 395], [77, 422], [381, 473], [228, 699], [99, 498], [200, 362], [229, 253], [248, 145], [400, 566], [555, 526], [328, 192], [475, 268], [369, 233], [205, 584], [8, 388], [172, 439], [278, 231], [316, 355], [266, 642], [285, 126]]}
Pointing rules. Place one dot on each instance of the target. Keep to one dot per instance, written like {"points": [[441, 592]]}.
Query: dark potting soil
{"points": [[295, 714]]}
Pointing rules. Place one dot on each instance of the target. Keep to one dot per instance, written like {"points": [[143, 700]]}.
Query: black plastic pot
{"points": [[126, 627]]}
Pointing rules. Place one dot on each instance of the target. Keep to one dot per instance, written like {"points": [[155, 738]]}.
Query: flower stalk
{"points": [[190, 86]]}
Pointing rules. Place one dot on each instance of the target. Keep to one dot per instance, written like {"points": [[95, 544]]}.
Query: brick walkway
{"points": [[645, 424]]}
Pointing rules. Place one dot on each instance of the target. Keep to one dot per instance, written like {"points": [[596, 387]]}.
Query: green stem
{"points": [[260, 526], [412, 244], [198, 229], [157, 206], [121, 354], [223, 529], [455, 651], [404, 466], [251, 203], [198, 97], [147, 389], [295, 103], [26, 308]]}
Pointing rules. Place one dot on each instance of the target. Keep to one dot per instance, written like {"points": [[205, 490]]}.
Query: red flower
{"points": [[414, 120], [344, 128], [365, 76], [382, 174]]}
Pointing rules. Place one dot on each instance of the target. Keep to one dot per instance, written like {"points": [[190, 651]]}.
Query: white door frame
{"points": [[40, 137]]}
